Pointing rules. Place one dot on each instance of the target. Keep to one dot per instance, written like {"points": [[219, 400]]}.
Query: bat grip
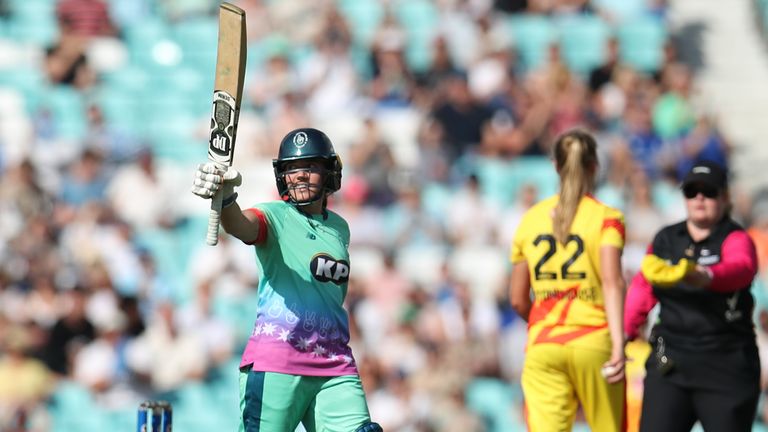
{"points": [[214, 217]]}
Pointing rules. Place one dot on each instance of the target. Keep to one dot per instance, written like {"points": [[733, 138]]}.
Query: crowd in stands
{"points": [[443, 113]]}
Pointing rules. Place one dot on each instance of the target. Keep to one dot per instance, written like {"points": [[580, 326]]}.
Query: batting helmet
{"points": [[307, 143]]}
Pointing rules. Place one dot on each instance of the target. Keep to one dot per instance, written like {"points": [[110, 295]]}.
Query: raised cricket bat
{"points": [[227, 91]]}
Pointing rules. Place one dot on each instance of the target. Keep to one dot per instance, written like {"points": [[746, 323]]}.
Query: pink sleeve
{"points": [[640, 300], [738, 264]]}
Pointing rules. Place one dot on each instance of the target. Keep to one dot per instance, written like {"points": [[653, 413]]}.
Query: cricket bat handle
{"points": [[214, 218]]}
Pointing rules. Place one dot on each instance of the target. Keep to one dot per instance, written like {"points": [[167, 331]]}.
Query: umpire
{"points": [[704, 365]]}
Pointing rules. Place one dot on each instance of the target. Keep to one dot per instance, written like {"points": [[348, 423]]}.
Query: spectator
{"points": [[604, 73], [672, 112], [86, 180], [703, 142], [371, 160], [143, 178], [647, 148], [197, 317], [461, 118], [69, 333], [329, 79], [97, 364], [84, 18], [179, 348], [473, 216], [24, 382]]}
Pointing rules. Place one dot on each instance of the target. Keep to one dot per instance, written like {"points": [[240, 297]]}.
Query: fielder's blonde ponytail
{"points": [[576, 159]]}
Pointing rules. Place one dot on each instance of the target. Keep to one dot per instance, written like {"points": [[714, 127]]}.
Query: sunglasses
{"points": [[692, 191]]}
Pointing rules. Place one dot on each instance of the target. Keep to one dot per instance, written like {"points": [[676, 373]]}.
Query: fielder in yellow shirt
{"points": [[567, 252]]}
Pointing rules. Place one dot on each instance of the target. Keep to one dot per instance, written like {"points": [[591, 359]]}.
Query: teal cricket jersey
{"points": [[301, 326]]}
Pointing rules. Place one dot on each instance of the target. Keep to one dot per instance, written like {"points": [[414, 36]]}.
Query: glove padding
{"points": [[209, 178], [659, 272]]}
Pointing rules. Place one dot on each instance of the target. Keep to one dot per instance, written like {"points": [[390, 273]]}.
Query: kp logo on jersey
{"points": [[325, 268]]}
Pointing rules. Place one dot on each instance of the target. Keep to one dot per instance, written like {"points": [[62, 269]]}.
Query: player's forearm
{"points": [[613, 295], [520, 290], [239, 224]]}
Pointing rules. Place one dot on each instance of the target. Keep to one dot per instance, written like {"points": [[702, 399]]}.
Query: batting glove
{"points": [[659, 272], [209, 178]]}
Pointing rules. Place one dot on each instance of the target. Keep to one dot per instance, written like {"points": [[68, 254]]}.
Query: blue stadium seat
{"points": [[141, 38], [493, 399], [72, 407], [416, 14], [129, 78], [4, 27], [363, 17], [29, 82], [420, 19], [501, 180], [121, 108], [33, 21], [198, 39], [622, 10], [172, 138], [582, 41], [641, 43], [68, 109], [532, 35], [165, 250], [198, 410], [70, 395], [42, 30]]}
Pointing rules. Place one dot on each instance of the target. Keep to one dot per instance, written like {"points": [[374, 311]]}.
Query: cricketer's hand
{"points": [[209, 178]]}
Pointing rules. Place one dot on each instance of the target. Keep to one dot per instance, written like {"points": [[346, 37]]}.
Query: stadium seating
{"points": [[532, 35], [641, 43], [582, 41]]}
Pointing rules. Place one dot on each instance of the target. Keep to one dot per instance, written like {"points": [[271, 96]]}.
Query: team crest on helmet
{"points": [[300, 139]]}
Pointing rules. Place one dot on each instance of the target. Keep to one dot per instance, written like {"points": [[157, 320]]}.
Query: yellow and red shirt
{"points": [[568, 306]]}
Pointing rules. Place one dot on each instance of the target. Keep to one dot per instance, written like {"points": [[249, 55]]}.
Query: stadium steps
{"points": [[732, 78]]}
